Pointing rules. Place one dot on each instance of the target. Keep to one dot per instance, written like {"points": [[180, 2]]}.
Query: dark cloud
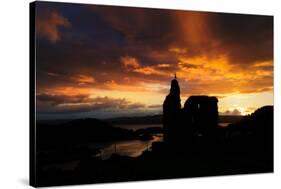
{"points": [[81, 103], [55, 100], [247, 39], [48, 24], [156, 106], [234, 112], [152, 28], [231, 112]]}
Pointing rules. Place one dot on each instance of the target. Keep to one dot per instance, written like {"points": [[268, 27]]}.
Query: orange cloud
{"points": [[132, 64], [48, 24], [62, 90], [178, 50], [154, 70], [148, 71], [84, 79], [113, 85], [129, 62], [164, 65], [203, 74]]}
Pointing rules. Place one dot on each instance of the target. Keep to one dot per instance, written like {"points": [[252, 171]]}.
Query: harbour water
{"points": [[131, 148]]}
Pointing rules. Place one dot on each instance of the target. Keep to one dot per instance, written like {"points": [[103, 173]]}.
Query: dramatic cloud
{"points": [[48, 24], [133, 53]]}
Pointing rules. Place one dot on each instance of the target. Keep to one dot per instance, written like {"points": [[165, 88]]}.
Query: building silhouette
{"points": [[172, 112], [202, 114], [198, 117]]}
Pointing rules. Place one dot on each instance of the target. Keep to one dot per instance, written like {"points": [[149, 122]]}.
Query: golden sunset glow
{"points": [[132, 62]]}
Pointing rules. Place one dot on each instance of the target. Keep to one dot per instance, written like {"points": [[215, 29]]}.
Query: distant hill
{"points": [[157, 119], [154, 119], [80, 131]]}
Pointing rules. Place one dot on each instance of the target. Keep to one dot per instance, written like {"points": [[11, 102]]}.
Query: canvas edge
{"points": [[32, 130]]}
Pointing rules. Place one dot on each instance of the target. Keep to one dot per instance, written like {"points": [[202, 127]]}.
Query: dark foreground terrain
{"points": [[63, 156]]}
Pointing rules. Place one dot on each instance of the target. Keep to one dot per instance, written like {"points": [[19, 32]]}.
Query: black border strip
{"points": [[32, 130]]}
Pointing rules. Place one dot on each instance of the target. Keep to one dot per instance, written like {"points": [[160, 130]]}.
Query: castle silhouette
{"points": [[198, 117]]}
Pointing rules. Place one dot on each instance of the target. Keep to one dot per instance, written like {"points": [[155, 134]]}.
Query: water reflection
{"points": [[223, 125], [138, 126], [132, 148]]}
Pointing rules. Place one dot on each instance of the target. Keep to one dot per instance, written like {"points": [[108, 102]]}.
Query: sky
{"points": [[108, 61]]}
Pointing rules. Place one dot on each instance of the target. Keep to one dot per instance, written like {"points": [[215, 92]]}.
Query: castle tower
{"points": [[175, 89], [171, 111]]}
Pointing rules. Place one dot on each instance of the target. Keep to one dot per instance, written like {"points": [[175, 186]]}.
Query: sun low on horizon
{"points": [[95, 61]]}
